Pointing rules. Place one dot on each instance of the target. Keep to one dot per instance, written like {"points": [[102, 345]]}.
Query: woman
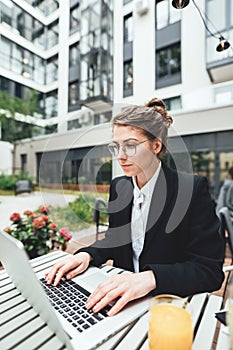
{"points": [[170, 241], [225, 198]]}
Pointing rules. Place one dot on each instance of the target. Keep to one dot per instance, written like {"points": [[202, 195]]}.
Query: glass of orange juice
{"points": [[170, 325]]}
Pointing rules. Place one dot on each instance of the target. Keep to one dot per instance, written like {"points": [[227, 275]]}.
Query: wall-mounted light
{"points": [[224, 44], [180, 4]]}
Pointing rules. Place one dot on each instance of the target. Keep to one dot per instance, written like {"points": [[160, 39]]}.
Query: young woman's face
{"points": [[145, 160]]}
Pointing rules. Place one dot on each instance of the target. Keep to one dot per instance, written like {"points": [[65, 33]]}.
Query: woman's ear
{"points": [[157, 146]]}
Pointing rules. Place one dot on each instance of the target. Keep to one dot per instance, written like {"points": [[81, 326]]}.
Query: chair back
{"points": [[100, 205], [22, 186], [226, 225]]}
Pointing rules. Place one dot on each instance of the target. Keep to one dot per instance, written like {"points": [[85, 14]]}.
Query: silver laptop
{"points": [[67, 322]]}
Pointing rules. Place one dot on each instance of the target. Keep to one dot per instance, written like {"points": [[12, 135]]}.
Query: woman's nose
{"points": [[122, 154]]}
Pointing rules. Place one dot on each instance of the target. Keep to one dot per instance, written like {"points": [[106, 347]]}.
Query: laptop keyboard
{"points": [[69, 299]]}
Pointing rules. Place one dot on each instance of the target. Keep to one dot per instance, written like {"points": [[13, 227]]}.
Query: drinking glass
{"points": [[170, 325]]}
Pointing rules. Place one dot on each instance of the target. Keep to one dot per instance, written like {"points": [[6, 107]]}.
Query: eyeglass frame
{"points": [[123, 147]]}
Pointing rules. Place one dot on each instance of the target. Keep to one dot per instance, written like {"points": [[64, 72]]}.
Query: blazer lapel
{"points": [[164, 192]]}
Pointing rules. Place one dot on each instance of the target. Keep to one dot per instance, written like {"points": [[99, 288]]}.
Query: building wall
{"points": [[206, 106], [6, 158]]}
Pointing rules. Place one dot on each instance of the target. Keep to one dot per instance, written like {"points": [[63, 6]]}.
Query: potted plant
{"points": [[38, 232]]}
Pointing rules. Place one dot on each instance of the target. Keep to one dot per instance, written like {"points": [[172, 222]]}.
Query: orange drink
{"points": [[170, 324]]}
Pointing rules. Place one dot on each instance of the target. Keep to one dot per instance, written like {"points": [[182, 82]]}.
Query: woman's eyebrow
{"points": [[129, 139]]}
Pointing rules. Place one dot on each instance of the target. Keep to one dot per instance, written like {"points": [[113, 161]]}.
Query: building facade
{"points": [[100, 56]]}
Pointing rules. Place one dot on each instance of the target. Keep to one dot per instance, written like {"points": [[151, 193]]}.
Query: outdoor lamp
{"points": [[223, 45], [180, 4]]}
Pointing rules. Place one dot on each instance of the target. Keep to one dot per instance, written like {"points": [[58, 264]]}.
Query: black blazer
{"points": [[182, 245]]}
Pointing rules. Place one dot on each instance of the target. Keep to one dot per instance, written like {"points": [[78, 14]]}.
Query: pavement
{"points": [[22, 202]]}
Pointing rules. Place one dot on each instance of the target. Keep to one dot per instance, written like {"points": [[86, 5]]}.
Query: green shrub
{"points": [[78, 214], [7, 182]]}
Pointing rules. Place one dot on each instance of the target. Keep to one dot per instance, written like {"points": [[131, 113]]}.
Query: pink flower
{"points": [[65, 233], [38, 222], [45, 217], [44, 209], [27, 212], [15, 217], [53, 226]]}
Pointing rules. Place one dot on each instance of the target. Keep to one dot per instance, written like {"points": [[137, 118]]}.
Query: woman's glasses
{"points": [[129, 148]]}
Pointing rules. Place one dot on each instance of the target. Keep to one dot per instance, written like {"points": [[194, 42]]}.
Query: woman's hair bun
{"points": [[159, 106], [156, 102]]}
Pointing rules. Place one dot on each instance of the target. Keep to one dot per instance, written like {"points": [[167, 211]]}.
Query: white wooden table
{"points": [[22, 329]]}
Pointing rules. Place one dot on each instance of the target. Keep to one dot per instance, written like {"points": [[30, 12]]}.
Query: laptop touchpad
{"points": [[92, 281]]}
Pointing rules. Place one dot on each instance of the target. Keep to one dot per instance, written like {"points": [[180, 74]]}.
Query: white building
{"points": [[157, 51], [6, 158]]}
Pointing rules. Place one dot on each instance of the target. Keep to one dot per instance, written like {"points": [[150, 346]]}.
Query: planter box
{"points": [[77, 187]]}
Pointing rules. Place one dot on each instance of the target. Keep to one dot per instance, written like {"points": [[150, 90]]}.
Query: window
{"points": [[173, 103], [24, 163], [168, 62], [128, 78], [49, 104], [220, 13], [74, 55], [74, 18], [52, 70], [166, 14], [52, 35], [128, 28], [73, 93]]}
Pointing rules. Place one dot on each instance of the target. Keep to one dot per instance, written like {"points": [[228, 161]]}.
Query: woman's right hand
{"points": [[69, 267]]}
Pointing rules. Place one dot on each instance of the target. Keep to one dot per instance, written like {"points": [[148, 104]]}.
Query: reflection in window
{"points": [[52, 35], [168, 61], [203, 164], [73, 93], [216, 11], [74, 55], [52, 70], [21, 61], [51, 105], [128, 28], [173, 103], [128, 78], [48, 104], [45, 6], [166, 14], [74, 18]]}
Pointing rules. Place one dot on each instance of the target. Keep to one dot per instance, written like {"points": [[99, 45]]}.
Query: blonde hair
{"points": [[152, 119]]}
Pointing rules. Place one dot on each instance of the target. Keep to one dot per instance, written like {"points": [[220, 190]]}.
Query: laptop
{"points": [[68, 329]]}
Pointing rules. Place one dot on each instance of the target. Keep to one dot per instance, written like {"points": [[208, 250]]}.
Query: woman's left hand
{"points": [[122, 288]]}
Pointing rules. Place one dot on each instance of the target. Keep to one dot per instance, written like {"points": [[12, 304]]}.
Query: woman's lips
{"points": [[126, 165]]}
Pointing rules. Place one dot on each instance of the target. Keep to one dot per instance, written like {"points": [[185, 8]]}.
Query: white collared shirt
{"points": [[140, 210]]}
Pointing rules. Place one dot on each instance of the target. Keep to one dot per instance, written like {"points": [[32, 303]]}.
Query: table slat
{"points": [[37, 339], [14, 312], [145, 345], [111, 343], [14, 323], [136, 334], [206, 330], [12, 303], [22, 333]]}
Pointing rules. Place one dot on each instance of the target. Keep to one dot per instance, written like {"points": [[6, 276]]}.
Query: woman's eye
{"points": [[130, 145]]}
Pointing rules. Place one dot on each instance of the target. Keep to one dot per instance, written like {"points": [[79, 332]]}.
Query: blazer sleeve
{"points": [[201, 269]]}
